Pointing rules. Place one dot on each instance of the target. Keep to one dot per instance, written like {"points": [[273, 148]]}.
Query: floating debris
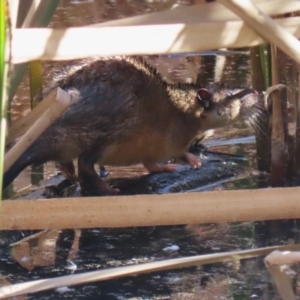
{"points": [[171, 248], [63, 289]]}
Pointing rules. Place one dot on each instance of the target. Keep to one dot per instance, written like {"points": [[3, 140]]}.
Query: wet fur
{"points": [[127, 114]]}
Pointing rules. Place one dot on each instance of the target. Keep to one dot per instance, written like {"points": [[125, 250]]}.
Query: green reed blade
{"points": [[3, 86], [36, 90], [265, 64]]}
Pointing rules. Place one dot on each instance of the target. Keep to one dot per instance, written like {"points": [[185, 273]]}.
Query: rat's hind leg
{"points": [[68, 170], [90, 182]]}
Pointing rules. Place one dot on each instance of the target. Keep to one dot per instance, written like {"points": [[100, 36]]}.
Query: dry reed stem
{"points": [[283, 258], [265, 26], [64, 100], [13, 10], [207, 12], [5, 282], [151, 210], [24, 124], [274, 262], [30, 16], [297, 146], [278, 145], [62, 44]]}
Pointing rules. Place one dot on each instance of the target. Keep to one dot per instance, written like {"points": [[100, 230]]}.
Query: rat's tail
{"points": [[26, 159]]}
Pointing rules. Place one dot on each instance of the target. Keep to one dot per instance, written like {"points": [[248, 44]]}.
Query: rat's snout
{"points": [[246, 97]]}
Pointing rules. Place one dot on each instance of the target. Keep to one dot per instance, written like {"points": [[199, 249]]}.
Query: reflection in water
{"points": [[106, 248]]}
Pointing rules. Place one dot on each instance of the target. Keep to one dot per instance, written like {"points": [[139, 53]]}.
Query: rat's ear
{"points": [[205, 98]]}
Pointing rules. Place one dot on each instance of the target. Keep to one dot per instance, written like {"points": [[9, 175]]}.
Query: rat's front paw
{"points": [[157, 168], [192, 160]]}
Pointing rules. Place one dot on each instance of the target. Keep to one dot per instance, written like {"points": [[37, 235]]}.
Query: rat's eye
{"points": [[228, 94], [204, 97]]}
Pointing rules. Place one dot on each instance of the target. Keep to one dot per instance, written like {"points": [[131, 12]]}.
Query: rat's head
{"points": [[223, 106]]}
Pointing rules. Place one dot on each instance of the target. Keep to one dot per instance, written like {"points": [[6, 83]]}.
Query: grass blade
{"points": [[3, 85], [36, 95]]}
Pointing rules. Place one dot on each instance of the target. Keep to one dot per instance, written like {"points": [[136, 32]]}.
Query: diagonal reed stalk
{"points": [[100, 275], [46, 284]]}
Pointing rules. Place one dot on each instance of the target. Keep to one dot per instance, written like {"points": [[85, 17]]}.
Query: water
{"points": [[98, 248]]}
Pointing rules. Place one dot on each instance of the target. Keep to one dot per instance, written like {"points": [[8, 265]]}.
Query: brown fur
{"points": [[126, 114]]}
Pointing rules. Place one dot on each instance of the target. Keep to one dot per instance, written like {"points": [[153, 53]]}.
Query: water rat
{"points": [[127, 114]]}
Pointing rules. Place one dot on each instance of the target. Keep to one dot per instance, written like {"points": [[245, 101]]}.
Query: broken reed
{"points": [[278, 136]]}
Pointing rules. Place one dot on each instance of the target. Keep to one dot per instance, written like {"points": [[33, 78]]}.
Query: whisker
{"points": [[255, 118]]}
